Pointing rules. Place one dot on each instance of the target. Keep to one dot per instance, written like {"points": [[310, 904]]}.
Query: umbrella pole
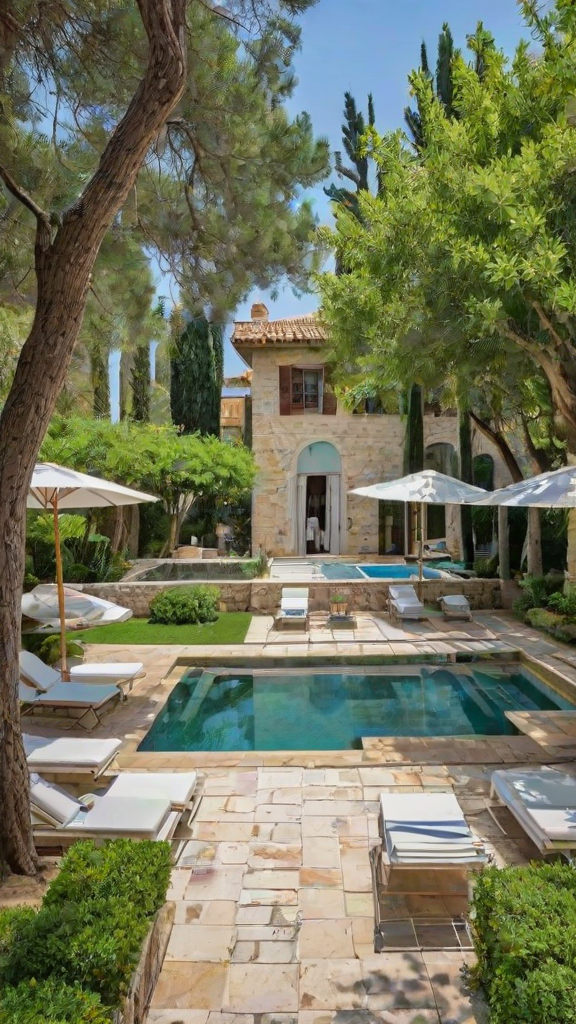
{"points": [[60, 588], [420, 550]]}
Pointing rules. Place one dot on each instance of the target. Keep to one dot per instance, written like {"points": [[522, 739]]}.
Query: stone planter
{"points": [[137, 1001], [338, 609]]}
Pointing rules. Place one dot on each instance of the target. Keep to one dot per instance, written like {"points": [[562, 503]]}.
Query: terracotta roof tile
{"points": [[289, 331]]}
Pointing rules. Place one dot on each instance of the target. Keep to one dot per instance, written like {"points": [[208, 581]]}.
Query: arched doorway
{"points": [[319, 500]]}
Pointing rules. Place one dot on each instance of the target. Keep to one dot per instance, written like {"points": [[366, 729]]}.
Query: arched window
{"points": [[483, 471]]}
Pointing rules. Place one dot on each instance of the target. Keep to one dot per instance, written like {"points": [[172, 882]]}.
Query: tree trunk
{"points": [[64, 265], [534, 553], [133, 530], [413, 454], [466, 474], [503, 544], [100, 376]]}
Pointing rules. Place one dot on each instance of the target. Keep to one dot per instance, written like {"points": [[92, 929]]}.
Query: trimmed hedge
{"points": [[525, 940], [83, 944], [185, 606]]}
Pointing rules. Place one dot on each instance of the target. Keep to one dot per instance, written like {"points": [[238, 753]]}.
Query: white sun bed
{"points": [[294, 607], [70, 754], [41, 605], [91, 700], [403, 603], [455, 606], [58, 815], [176, 787], [543, 801], [42, 677], [427, 829]]}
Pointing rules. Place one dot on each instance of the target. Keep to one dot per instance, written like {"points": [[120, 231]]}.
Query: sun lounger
{"points": [[70, 755], [427, 829], [56, 815], [92, 701], [455, 606], [81, 610], [293, 607], [403, 603], [543, 801], [42, 677], [176, 787]]}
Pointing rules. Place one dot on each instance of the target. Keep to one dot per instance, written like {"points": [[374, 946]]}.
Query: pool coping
{"points": [[398, 750]]}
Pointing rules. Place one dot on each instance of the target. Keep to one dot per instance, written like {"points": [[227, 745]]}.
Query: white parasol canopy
{"points": [[547, 490], [428, 487], [425, 488], [56, 488]]}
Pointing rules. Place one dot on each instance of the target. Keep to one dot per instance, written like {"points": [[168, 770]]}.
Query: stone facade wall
{"points": [[371, 448], [263, 596]]}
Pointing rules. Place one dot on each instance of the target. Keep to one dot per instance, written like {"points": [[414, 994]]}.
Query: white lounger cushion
{"points": [[111, 672], [176, 787], [77, 695], [69, 752], [52, 804], [36, 672], [123, 816], [543, 800], [427, 828], [456, 601]]}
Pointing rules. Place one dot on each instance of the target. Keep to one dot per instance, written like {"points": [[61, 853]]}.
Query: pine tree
{"points": [[194, 383]]}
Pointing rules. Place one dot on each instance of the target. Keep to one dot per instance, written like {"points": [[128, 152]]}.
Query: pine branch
{"points": [[26, 200]]}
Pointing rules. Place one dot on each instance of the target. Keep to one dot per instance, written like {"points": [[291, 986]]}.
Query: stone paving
{"points": [[274, 906]]}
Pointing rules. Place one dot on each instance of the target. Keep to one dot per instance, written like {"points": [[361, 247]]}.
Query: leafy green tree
{"points": [[475, 249], [120, 76]]}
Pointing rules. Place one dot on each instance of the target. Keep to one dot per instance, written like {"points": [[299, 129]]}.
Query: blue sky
{"points": [[371, 46]]}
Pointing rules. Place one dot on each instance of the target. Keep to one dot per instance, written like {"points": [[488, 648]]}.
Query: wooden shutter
{"points": [[329, 402], [285, 383]]}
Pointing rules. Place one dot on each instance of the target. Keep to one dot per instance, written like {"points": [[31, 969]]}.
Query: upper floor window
{"points": [[304, 391], [373, 406]]}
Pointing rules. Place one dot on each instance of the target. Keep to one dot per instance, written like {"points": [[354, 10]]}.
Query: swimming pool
{"points": [[267, 709], [379, 571]]}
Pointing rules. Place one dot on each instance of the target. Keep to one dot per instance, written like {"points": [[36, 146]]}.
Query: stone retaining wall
{"points": [[263, 596]]}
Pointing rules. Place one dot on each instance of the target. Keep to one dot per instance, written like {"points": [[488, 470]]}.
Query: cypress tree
{"points": [[100, 384], [140, 384], [194, 385]]}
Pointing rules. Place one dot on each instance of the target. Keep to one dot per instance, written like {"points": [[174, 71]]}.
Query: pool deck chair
{"points": [[427, 829], [69, 755], [84, 702], [294, 608], [42, 677], [177, 787], [59, 818], [455, 606], [403, 603], [543, 801]]}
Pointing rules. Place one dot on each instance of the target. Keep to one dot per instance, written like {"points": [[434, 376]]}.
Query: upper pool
{"points": [[265, 709], [380, 571]]}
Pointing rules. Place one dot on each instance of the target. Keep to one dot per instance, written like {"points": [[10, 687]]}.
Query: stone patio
{"points": [[274, 909], [274, 905]]}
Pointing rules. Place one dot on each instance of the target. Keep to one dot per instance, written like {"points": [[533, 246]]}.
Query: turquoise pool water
{"points": [[382, 571], [248, 709]]}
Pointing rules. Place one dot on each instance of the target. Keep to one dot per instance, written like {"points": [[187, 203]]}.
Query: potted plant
{"points": [[50, 651], [338, 605]]}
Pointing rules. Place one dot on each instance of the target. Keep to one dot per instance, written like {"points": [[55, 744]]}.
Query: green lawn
{"points": [[229, 628]]}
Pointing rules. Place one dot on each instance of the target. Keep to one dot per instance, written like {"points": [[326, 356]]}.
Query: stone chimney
{"points": [[259, 311]]}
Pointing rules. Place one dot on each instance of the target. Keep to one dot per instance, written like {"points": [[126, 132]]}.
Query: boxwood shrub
{"points": [[181, 606], [82, 945], [525, 939]]}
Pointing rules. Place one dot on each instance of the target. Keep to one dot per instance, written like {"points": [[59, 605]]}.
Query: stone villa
{"points": [[311, 452]]}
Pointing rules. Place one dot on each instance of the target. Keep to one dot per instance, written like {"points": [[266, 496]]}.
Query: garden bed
{"points": [[92, 952]]}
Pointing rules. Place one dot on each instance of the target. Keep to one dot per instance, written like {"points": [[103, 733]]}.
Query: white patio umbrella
{"points": [[547, 490], [425, 488], [56, 488]]}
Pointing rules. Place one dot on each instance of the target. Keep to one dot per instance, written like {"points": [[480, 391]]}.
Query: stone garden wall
{"points": [[263, 596]]}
